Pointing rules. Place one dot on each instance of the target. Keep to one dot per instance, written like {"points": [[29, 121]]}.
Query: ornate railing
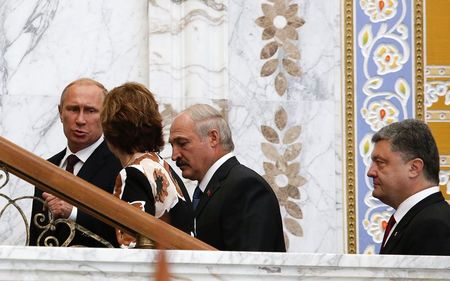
{"points": [[44, 221], [92, 200]]}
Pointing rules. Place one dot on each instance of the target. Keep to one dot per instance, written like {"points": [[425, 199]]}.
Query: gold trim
{"points": [[444, 161], [437, 116], [419, 31], [437, 71], [349, 128], [145, 242]]}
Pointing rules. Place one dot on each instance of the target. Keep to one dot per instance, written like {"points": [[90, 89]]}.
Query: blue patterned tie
{"points": [[196, 197]]}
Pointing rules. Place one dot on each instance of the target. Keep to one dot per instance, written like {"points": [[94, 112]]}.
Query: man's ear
{"points": [[416, 167], [60, 112], [214, 138]]}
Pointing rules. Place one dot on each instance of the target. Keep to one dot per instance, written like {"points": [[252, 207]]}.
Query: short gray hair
{"points": [[413, 139], [207, 118]]}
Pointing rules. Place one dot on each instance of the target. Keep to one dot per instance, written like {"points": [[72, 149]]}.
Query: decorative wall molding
{"points": [[349, 119], [419, 58], [282, 171], [280, 23]]}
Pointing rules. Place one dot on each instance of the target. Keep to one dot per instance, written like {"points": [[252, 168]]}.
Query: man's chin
{"points": [[186, 173], [79, 143], [376, 193]]}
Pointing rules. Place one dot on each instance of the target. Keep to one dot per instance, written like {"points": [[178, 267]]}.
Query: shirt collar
{"points": [[406, 205], [212, 170], [83, 154]]}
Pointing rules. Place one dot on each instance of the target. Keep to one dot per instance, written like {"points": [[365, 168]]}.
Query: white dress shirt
{"points": [[212, 170], [83, 155], [410, 202]]}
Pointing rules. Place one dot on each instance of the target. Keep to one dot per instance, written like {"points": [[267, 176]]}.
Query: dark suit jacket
{"points": [[424, 230], [239, 211], [100, 169], [182, 215]]}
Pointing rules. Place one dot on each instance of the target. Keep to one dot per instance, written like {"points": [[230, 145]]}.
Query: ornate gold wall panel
{"points": [[437, 82], [437, 36], [397, 66]]}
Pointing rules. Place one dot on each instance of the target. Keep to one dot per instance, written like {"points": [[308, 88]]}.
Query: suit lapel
{"points": [[94, 163], [56, 159], [215, 183], [397, 235]]}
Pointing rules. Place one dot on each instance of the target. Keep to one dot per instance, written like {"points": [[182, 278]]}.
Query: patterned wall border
{"points": [[419, 59], [437, 90], [349, 128], [356, 115]]}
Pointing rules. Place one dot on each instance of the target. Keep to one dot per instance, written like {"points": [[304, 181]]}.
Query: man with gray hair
{"points": [[405, 173], [235, 209]]}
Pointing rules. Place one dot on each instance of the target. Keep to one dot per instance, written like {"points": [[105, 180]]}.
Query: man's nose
{"points": [[175, 153], [371, 172], [80, 118]]}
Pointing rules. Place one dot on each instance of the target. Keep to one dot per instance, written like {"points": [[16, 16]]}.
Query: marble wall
{"points": [[271, 66]]}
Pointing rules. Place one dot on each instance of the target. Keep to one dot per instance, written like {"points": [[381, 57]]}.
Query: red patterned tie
{"points": [[389, 226], [71, 161]]}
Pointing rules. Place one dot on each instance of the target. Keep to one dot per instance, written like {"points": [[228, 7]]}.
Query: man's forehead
{"points": [[180, 133], [383, 149], [93, 95], [182, 122]]}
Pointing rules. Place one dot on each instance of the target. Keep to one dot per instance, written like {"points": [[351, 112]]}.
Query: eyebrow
{"points": [[377, 157], [177, 138], [81, 106], [90, 107]]}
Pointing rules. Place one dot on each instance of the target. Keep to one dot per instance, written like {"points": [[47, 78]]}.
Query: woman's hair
{"points": [[130, 119]]}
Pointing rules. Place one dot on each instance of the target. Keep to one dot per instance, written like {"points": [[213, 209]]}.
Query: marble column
{"points": [[44, 45]]}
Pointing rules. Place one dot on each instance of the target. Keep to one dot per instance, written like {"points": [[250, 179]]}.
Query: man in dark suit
{"points": [[79, 110], [235, 209], [405, 173]]}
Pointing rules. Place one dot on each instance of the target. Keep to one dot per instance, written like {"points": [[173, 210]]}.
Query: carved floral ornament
{"points": [[280, 22], [282, 171]]}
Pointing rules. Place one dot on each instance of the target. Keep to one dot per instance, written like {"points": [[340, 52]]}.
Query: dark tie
{"points": [[196, 197], [71, 161], [389, 226]]}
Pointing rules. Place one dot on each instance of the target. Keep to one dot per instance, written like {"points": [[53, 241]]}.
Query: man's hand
{"points": [[58, 207]]}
